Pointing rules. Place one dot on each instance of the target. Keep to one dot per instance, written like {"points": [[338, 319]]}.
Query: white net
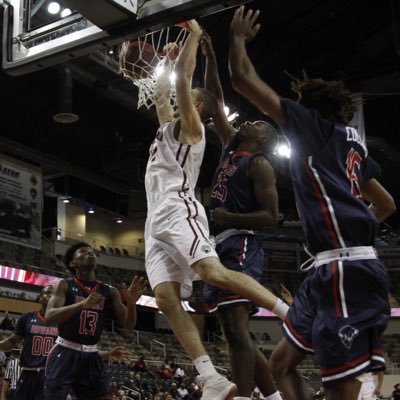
{"points": [[149, 62]]}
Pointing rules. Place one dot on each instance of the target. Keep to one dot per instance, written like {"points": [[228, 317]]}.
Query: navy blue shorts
{"points": [[78, 372], [30, 385], [339, 313], [242, 253]]}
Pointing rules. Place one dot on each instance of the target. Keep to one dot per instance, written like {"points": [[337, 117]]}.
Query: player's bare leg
{"points": [[247, 362], [348, 390], [169, 302], [214, 273], [215, 386], [284, 360]]}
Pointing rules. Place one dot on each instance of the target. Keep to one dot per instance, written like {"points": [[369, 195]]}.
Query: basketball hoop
{"points": [[149, 62]]}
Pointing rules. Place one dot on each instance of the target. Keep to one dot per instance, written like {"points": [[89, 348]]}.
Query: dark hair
{"points": [[330, 98], [69, 255], [210, 103]]}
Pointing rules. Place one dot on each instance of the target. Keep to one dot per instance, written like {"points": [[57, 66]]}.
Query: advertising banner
{"points": [[20, 202]]}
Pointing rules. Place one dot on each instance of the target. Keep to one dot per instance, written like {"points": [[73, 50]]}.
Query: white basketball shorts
{"points": [[176, 236]]}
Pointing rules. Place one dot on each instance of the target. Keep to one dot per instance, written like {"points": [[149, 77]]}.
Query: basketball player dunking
{"points": [[176, 233], [341, 308]]}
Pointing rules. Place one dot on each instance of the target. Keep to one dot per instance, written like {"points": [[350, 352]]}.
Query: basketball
{"points": [[137, 59]]}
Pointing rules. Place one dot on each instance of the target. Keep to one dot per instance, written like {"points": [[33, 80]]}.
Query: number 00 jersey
{"points": [[38, 339], [172, 166], [329, 165], [86, 326]]}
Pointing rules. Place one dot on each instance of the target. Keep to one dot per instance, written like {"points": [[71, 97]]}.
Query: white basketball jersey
{"points": [[172, 166]]}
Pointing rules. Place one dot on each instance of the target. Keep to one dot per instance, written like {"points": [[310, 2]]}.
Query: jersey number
{"points": [[220, 190], [88, 322], [41, 346], [353, 160]]}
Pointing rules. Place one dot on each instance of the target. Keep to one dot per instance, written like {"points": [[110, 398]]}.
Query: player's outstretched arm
{"points": [[10, 342], [57, 311], [382, 203], [126, 316], [223, 128], [116, 354], [163, 88], [191, 129], [245, 79]]}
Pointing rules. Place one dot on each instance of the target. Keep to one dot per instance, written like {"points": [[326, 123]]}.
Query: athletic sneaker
{"points": [[216, 387]]}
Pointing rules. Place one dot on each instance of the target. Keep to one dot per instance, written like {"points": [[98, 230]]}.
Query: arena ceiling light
{"points": [[283, 150], [66, 12], [53, 8], [231, 116]]}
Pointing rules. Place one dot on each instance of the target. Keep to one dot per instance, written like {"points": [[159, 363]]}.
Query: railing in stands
{"points": [[160, 344], [133, 391]]}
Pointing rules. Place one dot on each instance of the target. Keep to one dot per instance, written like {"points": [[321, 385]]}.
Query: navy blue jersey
{"points": [[86, 326], [329, 165], [38, 337], [232, 187]]}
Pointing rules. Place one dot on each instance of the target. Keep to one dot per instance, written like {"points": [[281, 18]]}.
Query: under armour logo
{"points": [[347, 334]]}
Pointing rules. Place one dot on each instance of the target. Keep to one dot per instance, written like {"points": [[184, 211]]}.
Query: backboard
{"points": [[41, 33]]}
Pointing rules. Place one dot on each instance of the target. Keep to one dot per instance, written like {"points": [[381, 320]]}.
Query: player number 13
{"points": [[88, 322]]}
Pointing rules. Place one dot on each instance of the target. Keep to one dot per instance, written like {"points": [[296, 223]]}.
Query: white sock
{"points": [[241, 398], [204, 365], [280, 309], [274, 396]]}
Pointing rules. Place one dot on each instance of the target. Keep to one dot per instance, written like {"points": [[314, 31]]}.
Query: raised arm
{"points": [[127, 315], [382, 203], [263, 178], [191, 130], [163, 87], [224, 129], [57, 311], [245, 79]]}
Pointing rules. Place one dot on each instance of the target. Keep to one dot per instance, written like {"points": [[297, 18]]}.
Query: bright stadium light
{"points": [[53, 8], [66, 12], [283, 150], [233, 116]]}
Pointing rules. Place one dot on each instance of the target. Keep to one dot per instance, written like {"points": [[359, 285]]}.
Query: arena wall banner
{"points": [[21, 202], [10, 273]]}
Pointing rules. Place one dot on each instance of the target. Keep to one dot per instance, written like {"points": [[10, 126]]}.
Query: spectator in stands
{"points": [[140, 365], [165, 372], [173, 390], [183, 392], [194, 391], [396, 392], [179, 373], [7, 324]]}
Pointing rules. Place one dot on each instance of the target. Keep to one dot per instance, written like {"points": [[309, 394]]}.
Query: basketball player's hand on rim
{"points": [[194, 27], [93, 299], [244, 25], [135, 290]]}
